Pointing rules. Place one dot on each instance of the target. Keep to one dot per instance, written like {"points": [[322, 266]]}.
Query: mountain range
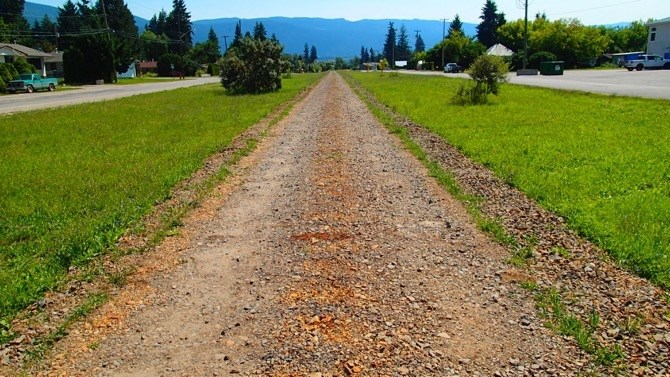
{"points": [[331, 37]]}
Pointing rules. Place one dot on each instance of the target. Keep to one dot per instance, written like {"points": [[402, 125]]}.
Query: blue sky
{"points": [[589, 12]]}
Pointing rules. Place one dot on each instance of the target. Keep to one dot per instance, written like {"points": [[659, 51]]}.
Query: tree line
{"points": [[564, 39]]}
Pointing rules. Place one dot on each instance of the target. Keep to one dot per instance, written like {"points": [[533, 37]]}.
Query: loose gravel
{"points": [[334, 254]]}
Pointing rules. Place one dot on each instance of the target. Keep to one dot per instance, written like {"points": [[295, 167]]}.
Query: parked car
{"points": [[452, 68], [31, 82], [648, 62]]}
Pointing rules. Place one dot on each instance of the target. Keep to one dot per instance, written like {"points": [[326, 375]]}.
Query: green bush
{"points": [[169, 65], [213, 69], [468, 94], [539, 57], [252, 67], [3, 85], [22, 66], [487, 72]]}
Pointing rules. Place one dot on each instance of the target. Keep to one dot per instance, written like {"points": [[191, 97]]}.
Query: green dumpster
{"points": [[552, 68]]}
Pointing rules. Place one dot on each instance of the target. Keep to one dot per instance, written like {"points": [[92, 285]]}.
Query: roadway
{"points": [[91, 93], [620, 82]]}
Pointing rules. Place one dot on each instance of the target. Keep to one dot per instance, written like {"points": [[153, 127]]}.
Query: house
{"points": [[145, 67], [54, 64], [499, 50], [659, 38], [131, 73], [10, 51]]}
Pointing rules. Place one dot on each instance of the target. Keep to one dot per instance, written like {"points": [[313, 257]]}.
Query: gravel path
{"points": [[335, 255]]}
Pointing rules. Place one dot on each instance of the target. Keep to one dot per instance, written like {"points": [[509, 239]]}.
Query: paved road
{"points": [[620, 82], [95, 93]]}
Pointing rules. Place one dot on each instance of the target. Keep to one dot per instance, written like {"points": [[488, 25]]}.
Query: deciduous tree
{"points": [[253, 67]]}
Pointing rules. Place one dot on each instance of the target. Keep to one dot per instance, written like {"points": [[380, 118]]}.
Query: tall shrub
{"points": [[252, 67]]}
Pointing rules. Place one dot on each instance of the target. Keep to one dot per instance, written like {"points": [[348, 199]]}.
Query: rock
{"points": [[403, 371]]}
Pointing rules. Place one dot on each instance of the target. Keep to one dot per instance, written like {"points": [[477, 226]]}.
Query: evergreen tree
{"points": [[365, 55], [69, 21], [390, 44], [42, 34], [305, 54], [491, 21], [419, 45], [157, 24], [238, 34], [11, 12], [403, 50], [313, 56], [259, 31], [213, 40], [124, 34], [373, 55], [207, 52], [178, 27], [456, 26]]}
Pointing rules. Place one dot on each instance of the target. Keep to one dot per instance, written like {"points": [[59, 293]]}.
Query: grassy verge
{"points": [[75, 179], [599, 161], [147, 80], [446, 180], [552, 308]]}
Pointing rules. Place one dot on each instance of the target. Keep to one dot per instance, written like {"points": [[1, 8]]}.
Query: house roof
{"points": [[55, 57], [148, 65], [660, 22], [499, 50], [21, 50]]}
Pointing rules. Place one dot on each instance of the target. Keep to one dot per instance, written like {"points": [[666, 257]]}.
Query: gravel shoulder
{"points": [[332, 253]]}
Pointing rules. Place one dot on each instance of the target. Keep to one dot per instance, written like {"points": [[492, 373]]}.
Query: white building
{"points": [[659, 38]]}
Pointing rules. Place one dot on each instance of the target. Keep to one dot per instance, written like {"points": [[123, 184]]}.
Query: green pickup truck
{"points": [[31, 82]]}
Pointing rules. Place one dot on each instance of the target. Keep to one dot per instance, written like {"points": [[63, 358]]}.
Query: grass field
{"points": [[602, 162], [73, 180], [147, 80]]}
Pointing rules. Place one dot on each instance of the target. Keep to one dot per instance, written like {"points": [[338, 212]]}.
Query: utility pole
{"points": [[225, 41], [109, 38], [525, 36], [444, 31]]}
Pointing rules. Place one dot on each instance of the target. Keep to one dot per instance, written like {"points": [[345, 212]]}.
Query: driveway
{"points": [[620, 82], [93, 93]]}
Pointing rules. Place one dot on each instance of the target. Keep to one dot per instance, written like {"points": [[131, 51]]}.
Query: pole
{"points": [[525, 36], [444, 31], [109, 38], [225, 41]]}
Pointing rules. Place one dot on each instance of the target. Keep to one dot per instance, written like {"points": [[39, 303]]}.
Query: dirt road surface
{"points": [[334, 254]]}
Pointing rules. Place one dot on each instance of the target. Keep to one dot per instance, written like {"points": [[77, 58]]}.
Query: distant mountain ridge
{"points": [[35, 12], [331, 37]]}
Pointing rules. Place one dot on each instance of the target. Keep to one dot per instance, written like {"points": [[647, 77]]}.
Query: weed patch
{"points": [[551, 307]]}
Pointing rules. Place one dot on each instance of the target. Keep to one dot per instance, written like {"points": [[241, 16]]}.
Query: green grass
{"points": [[602, 162], [147, 80], [551, 306], [74, 179]]}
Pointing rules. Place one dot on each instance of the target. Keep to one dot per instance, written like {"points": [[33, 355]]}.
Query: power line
{"points": [[596, 8]]}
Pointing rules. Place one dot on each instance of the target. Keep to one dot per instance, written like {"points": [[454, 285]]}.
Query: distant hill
{"points": [[35, 12], [331, 37]]}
